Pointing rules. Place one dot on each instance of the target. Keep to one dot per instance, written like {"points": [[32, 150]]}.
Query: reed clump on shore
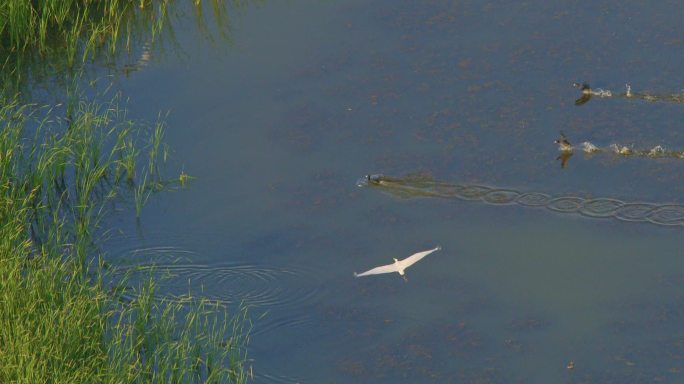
{"points": [[76, 27], [48, 42], [63, 317]]}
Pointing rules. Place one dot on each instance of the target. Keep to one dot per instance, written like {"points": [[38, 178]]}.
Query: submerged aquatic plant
{"points": [[63, 317]]}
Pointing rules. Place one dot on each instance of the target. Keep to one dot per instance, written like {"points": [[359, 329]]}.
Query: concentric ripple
{"points": [[283, 293], [265, 377], [255, 285]]}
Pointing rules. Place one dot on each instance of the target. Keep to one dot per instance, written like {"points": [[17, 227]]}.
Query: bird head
{"points": [[563, 143], [584, 87]]}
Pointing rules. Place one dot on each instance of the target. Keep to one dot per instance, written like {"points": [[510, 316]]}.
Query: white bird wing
{"points": [[409, 261], [389, 268]]}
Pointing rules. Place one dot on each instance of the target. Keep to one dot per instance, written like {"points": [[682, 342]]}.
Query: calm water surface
{"points": [[278, 124]]}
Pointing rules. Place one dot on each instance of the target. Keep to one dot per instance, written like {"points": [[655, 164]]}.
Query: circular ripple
{"points": [[533, 199], [272, 323], [261, 286], [667, 215], [260, 376], [136, 249], [501, 196], [601, 207], [472, 192], [635, 211], [565, 204]]}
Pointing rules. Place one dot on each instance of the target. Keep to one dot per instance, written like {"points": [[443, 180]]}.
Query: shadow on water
{"points": [[425, 186]]}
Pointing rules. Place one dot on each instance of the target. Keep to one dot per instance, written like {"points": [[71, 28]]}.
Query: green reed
{"points": [[63, 317], [48, 41], [79, 26]]}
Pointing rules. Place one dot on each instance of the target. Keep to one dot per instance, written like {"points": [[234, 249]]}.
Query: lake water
{"points": [[278, 123]]}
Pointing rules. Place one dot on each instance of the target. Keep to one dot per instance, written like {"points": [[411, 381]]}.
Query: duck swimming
{"points": [[564, 147], [588, 92], [563, 143]]}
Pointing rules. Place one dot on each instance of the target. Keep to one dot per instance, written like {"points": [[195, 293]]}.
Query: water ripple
{"points": [[255, 285], [265, 377], [283, 293], [272, 323], [660, 214]]}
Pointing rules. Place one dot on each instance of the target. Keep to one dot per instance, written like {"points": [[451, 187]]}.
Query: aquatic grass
{"points": [[127, 158], [155, 145], [77, 25], [48, 41], [183, 178], [52, 39], [60, 321], [168, 347], [141, 193]]}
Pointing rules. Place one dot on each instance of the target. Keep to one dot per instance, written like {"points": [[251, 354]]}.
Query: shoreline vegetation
{"points": [[54, 41], [64, 316]]}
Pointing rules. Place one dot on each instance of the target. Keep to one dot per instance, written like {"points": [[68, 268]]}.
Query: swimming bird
{"points": [[565, 149], [584, 87], [399, 265], [586, 93], [563, 143]]}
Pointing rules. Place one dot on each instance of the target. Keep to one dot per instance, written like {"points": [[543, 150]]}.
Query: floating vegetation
{"points": [[658, 152], [425, 186], [588, 93], [63, 317]]}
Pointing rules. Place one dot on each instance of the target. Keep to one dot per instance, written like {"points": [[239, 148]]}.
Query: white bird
{"points": [[399, 265]]}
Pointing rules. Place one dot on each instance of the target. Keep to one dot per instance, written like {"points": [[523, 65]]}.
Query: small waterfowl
{"points": [[563, 143], [586, 93], [584, 87]]}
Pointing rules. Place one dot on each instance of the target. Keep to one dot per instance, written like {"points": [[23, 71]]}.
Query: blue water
{"points": [[277, 123]]}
